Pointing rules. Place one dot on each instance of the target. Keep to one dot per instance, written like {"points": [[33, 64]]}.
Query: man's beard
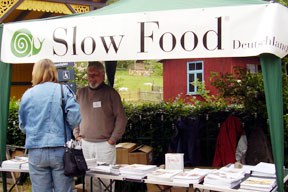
{"points": [[94, 86]]}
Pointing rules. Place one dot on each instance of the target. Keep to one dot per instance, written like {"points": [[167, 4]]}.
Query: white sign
{"points": [[174, 161], [190, 33]]}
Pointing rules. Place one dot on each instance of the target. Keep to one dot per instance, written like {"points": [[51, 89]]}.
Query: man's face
{"points": [[95, 77]]}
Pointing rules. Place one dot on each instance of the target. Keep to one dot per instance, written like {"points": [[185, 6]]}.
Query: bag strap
{"points": [[64, 114]]}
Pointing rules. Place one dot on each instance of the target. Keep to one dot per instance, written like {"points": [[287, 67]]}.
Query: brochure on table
{"points": [[19, 162]]}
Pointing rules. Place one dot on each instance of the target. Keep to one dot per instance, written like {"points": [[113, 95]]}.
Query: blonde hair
{"points": [[44, 71]]}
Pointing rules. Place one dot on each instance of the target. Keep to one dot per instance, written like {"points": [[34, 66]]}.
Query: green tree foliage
{"points": [[283, 2], [207, 101], [80, 74], [125, 64], [243, 88], [155, 66], [14, 134]]}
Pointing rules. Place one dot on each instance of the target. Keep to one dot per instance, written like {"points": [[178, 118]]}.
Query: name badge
{"points": [[96, 104]]}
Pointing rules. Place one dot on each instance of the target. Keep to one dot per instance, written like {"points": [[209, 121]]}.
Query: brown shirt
{"points": [[102, 113]]}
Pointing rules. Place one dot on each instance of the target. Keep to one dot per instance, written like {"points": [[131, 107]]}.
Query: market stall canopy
{"points": [[161, 29], [142, 30]]}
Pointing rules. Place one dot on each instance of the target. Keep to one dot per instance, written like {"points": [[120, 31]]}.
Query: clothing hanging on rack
{"points": [[187, 140], [229, 134]]}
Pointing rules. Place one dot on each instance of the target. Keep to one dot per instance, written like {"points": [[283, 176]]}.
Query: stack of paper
{"points": [[191, 176], [115, 169], [227, 177], [162, 174], [25, 166], [105, 168], [258, 184], [264, 170], [16, 163], [91, 162], [136, 171]]}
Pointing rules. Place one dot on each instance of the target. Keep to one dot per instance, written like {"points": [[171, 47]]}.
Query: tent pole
{"points": [[272, 75]]}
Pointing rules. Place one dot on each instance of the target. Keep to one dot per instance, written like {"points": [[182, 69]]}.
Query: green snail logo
{"points": [[23, 44]]}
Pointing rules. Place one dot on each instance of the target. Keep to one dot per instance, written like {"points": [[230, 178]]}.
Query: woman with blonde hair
{"points": [[41, 119]]}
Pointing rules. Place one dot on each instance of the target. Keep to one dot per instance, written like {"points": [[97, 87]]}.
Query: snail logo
{"points": [[23, 44]]}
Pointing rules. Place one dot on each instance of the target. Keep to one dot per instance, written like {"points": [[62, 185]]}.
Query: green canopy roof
{"points": [[129, 6], [134, 6]]}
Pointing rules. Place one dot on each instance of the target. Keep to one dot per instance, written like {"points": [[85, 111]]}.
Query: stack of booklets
{"points": [[195, 175], [162, 174], [115, 169], [19, 162], [258, 184], [263, 169], [227, 177], [136, 171], [91, 162], [105, 168]]}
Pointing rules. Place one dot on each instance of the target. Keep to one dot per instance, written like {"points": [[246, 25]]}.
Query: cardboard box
{"points": [[122, 151], [141, 155], [157, 188], [181, 189], [160, 188]]}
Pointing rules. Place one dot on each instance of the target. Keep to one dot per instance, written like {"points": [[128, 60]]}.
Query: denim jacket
{"points": [[41, 116]]}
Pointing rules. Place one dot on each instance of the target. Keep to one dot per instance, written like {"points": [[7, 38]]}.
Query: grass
{"points": [[136, 83], [26, 187]]}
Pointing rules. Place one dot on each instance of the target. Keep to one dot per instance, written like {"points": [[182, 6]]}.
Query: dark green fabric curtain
{"points": [[5, 70], [272, 74], [5, 81]]}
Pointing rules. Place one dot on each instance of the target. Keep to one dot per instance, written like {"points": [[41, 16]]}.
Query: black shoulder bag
{"points": [[74, 161]]}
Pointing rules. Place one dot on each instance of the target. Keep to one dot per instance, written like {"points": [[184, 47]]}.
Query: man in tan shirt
{"points": [[103, 119]]}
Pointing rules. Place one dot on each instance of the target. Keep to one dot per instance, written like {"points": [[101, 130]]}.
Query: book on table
{"points": [[19, 162], [162, 174], [136, 171], [174, 161], [258, 184], [195, 175], [91, 162], [101, 168], [263, 169], [228, 177]]}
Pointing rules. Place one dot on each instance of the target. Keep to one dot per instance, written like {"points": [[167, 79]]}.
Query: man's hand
{"points": [[78, 138], [111, 142]]}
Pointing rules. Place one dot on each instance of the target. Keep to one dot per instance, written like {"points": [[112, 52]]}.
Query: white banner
{"points": [[191, 33]]}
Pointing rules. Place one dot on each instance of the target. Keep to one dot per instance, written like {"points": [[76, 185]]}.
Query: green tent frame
{"points": [[271, 66]]}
